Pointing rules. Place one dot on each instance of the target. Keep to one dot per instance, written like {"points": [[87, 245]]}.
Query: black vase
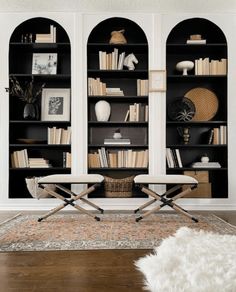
{"points": [[30, 111]]}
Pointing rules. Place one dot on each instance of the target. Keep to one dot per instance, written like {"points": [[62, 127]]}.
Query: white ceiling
{"points": [[200, 6]]}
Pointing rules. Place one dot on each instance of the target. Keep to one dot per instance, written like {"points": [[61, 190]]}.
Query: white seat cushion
{"points": [[164, 179], [72, 179]]}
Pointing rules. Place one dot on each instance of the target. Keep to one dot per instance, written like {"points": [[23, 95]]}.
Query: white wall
{"points": [[114, 6], [78, 26]]}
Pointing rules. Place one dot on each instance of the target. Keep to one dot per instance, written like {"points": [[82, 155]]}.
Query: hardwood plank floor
{"points": [[83, 271]]}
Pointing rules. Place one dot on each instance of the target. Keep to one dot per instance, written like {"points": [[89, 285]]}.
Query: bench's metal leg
{"points": [[145, 205], [71, 201]]}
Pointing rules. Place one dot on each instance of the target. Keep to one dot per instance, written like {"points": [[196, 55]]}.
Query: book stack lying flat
{"points": [[206, 165], [121, 141]]}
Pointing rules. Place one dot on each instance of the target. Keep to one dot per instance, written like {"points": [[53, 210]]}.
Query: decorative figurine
{"points": [[129, 61]]}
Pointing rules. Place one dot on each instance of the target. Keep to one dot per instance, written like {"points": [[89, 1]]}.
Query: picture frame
{"points": [[55, 104], [44, 63], [157, 80]]}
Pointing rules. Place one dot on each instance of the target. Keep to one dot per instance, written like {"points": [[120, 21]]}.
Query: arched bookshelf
{"points": [[38, 38], [121, 160], [208, 134]]}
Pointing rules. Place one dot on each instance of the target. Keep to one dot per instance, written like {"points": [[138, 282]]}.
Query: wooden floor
{"points": [[83, 271]]}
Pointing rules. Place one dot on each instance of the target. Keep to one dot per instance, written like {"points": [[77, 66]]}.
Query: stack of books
{"points": [[121, 141], [46, 37], [206, 165], [39, 163]]}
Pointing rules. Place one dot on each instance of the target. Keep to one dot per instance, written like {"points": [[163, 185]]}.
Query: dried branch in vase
{"points": [[28, 93]]}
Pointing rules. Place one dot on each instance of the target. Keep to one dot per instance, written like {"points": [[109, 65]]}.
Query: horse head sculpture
{"points": [[130, 60]]}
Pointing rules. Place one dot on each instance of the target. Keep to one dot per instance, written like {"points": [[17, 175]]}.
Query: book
{"points": [[196, 42], [206, 165], [44, 63], [121, 141]]}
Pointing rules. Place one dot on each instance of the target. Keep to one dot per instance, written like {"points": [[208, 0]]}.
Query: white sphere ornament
{"points": [[185, 66], [102, 111]]}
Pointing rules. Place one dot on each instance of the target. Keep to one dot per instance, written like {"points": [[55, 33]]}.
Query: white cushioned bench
{"points": [[168, 198], [95, 180]]}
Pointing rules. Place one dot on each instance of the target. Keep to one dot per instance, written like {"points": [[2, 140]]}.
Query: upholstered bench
{"points": [[167, 199], [59, 180]]}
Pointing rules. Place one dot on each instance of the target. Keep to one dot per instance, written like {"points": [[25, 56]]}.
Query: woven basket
{"points": [[118, 187]]}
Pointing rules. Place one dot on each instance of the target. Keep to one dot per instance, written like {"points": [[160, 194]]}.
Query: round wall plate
{"points": [[205, 101]]}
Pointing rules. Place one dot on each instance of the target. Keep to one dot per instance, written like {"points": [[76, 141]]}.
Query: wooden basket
{"points": [[118, 187]]}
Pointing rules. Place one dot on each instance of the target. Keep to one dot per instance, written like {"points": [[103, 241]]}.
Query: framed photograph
{"points": [[44, 63], [157, 80], [55, 104]]}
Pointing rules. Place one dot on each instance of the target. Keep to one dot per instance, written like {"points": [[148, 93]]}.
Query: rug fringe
{"points": [[224, 221]]}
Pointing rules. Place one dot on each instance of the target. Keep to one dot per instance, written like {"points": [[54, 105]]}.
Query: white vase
{"points": [[102, 111]]}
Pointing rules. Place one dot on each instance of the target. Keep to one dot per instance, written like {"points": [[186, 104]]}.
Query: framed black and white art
{"points": [[44, 63], [55, 105]]}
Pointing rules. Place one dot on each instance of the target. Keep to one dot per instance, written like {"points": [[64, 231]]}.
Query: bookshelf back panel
{"points": [[137, 135]]}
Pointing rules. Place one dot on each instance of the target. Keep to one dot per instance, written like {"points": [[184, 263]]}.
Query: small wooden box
{"points": [[203, 190], [199, 175]]}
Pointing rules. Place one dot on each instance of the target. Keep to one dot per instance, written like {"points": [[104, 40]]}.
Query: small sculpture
{"points": [[117, 37], [205, 158], [184, 132], [117, 134], [129, 61], [185, 66]]}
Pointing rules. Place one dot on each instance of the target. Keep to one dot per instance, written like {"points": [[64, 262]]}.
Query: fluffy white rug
{"points": [[191, 261]]}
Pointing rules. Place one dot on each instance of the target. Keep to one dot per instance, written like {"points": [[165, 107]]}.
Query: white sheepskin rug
{"points": [[191, 261]]}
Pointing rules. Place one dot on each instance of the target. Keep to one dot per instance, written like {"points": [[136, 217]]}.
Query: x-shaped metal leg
{"points": [[71, 201], [165, 201]]}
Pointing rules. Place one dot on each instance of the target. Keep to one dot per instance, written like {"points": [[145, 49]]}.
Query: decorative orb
{"points": [[102, 111], [185, 66]]}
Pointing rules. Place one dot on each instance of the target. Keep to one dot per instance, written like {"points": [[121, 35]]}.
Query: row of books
{"points": [[59, 135], [111, 61], [213, 67], [97, 87], [218, 136], [137, 112], [47, 37], [142, 87], [20, 159], [120, 158], [67, 159], [173, 158]]}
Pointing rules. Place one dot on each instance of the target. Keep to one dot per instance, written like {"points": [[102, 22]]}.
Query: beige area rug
{"points": [[114, 231]]}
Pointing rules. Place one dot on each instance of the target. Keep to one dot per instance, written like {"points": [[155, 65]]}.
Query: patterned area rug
{"points": [[80, 232]]}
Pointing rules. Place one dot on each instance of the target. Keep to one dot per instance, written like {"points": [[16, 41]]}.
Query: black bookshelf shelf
{"points": [[48, 146], [117, 124], [33, 169], [196, 169], [196, 146], [117, 146], [196, 123]]}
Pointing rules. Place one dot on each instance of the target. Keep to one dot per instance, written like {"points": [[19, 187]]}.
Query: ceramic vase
{"points": [[30, 111], [102, 111]]}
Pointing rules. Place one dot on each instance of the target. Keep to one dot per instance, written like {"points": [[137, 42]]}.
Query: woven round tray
{"points": [[205, 101]]}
